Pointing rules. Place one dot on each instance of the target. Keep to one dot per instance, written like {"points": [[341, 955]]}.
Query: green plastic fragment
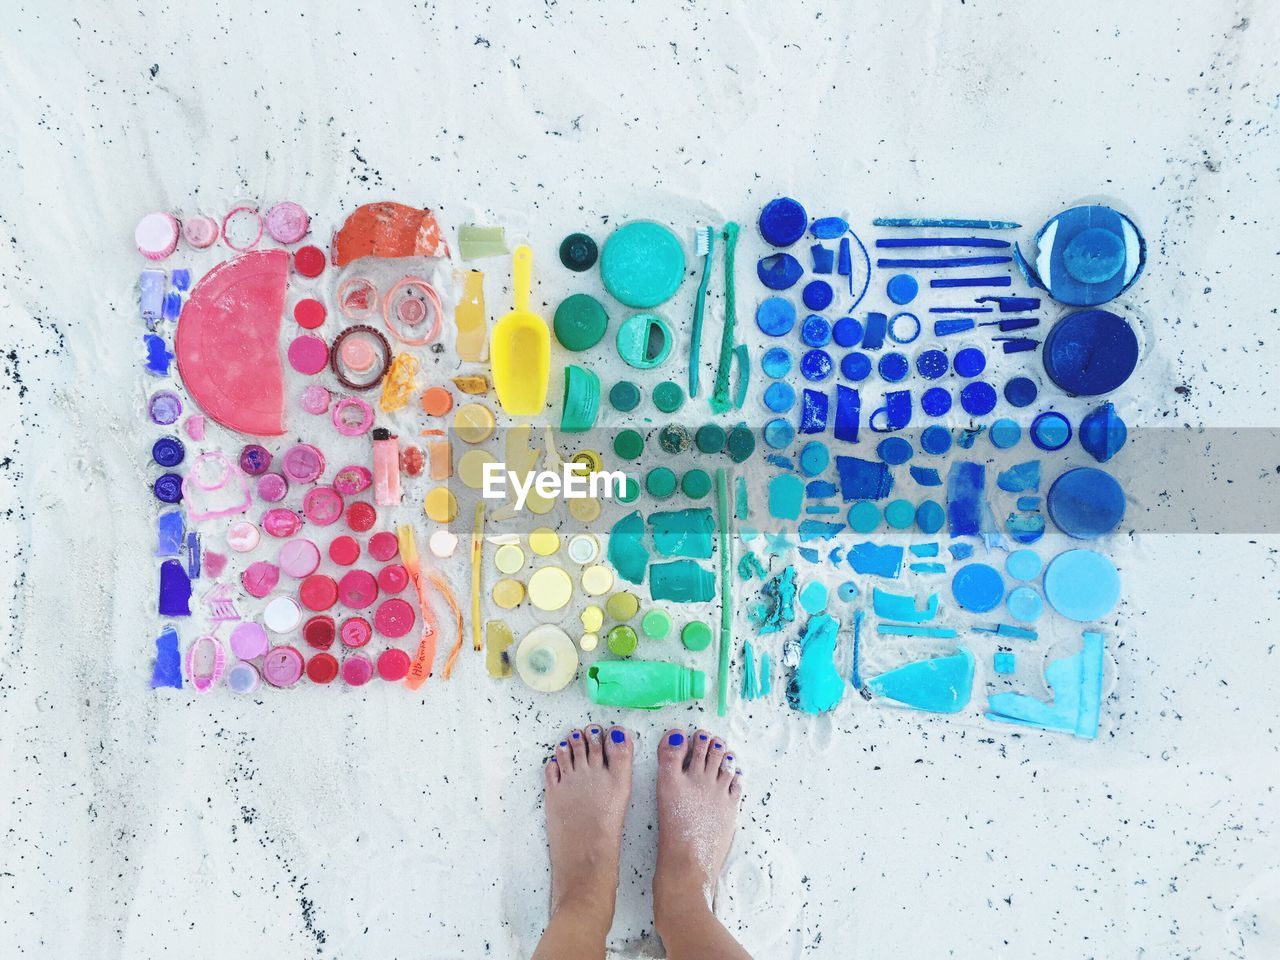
{"points": [[699, 310], [668, 397], [741, 443], [644, 340], [476, 242], [681, 581], [580, 322], [749, 566], [695, 484], [684, 533], [628, 444], [627, 552], [581, 399], [630, 490], [741, 507], [674, 438]]}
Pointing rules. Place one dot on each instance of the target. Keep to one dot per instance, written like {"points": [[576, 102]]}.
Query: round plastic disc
{"points": [[977, 587], [1082, 585], [642, 264]]}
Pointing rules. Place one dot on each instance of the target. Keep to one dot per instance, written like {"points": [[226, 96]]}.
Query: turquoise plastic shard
{"points": [[876, 560], [893, 606], [684, 533], [780, 594], [627, 551], [681, 581], [939, 685], [1076, 682], [1020, 477], [786, 494], [816, 686]]}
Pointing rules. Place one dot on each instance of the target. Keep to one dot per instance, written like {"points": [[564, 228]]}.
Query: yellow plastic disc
{"points": [[544, 541], [471, 467], [508, 593], [440, 505], [597, 580], [589, 641], [508, 558], [623, 606], [586, 509], [537, 503], [589, 460], [592, 618], [550, 588], [473, 422]]}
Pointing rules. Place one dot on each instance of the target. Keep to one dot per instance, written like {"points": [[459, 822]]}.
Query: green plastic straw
{"points": [[720, 401], [726, 611]]}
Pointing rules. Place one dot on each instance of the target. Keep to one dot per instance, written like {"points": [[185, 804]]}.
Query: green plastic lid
{"points": [[623, 605], [660, 482], [644, 340], [628, 444], [696, 484], [674, 438], [622, 640], [624, 396], [581, 399], [630, 491], [580, 322], [695, 636], [642, 264], [578, 252], [710, 438], [741, 442], [668, 397], [656, 624]]}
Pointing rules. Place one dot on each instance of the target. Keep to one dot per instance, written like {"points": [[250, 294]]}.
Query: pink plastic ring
{"points": [[433, 298], [226, 221], [363, 308], [347, 426]]}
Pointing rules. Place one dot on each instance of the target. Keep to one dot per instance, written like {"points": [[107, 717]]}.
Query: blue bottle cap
{"points": [[816, 365], [1023, 565], [847, 332], [775, 316], [894, 450], [1005, 433], [977, 587], [935, 401], [899, 514], [855, 367], [902, 288], [1082, 585], [1090, 353], [168, 488], [932, 364], [776, 362], [1051, 431], [970, 362], [1086, 503], [978, 398], [894, 367], [1021, 392], [935, 439], [1086, 256], [817, 295], [778, 433], [814, 458], [815, 331], [930, 517], [783, 221], [864, 516], [168, 451], [1024, 604], [779, 396]]}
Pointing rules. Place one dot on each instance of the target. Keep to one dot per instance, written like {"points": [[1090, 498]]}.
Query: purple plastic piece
{"points": [[175, 590]]}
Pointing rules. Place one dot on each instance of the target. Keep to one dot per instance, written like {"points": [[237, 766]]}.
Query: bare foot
{"points": [[699, 790], [588, 786]]}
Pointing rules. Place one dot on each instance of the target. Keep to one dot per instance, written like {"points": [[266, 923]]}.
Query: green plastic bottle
{"points": [[643, 684]]}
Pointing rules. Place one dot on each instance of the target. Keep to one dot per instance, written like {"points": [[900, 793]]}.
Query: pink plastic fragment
{"points": [[260, 578], [281, 522], [352, 480], [194, 427], [205, 662]]}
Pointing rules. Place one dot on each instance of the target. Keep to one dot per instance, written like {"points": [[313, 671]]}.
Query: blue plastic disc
{"points": [[930, 517], [775, 316], [814, 458], [1021, 392], [1082, 585], [935, 401], [816, 365], [935, 439], [1005, 433], [783, 221], [779, 271], [855, 367], [847, 591], [779, 396], [1024, 604], [847, 332], [168, 451], [776, 362], [978, 398], [899, 514], [977, 587], [902, 288], [1023, 564], [893, 367], [969, 362], [932, 364], [1090, 353], [815, 331], [1051, 431], [778, 433], [864, 516], [904, 328], [1087, 255], [817, 295], [1086, 503], [894, 450]]}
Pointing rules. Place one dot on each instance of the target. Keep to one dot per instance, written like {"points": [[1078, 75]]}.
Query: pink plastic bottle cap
{"points": [[242, 536], [393, 664], [282, 615], [282, 667], [352, 480], [260, 578], [303, 463], [394, 618], [393, 578], [318, 592], [358, 354], [248, 640], [200, 232], [357, 589], [287, 222], [355, 632], [344, 551], [383, 546], [308, 354], [281, 522], [242, 228], [156, 235], [272, 487], [299, 558], [322, 505], [357, 670], [315, 400]]}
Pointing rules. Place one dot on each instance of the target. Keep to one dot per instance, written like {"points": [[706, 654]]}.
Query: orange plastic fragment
{"points": [[388, 230]]}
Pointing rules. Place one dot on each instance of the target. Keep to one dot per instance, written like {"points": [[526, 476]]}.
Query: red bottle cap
{"points": [[394, 618], [309, 261], [322, 668], [393, 578], [318, 592], [361, 516], [383, 546], [344, 551], [355, 632], [357, 670], [309, 314], [393, 664], [260, 578], [319, 631], [358, 589]]}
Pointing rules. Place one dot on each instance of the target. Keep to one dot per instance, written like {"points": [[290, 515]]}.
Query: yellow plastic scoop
{"points": [[520, 349]]}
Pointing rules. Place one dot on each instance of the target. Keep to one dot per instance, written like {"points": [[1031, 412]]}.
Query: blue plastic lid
{"points": [[775, 316], [894, 367], [1024, 604], [780, 396], [970, 362], [977, 587], [935, 401], [168, 488], [847, 332], [817, 295], [894, 450], [902, 288], [930, 516], [1082, 585], [1023, 564], [778, 433], [1021, 392], [168, 451], [815, 330], [1090, 353], [1092, 255], [864, 516], [932, 364], [1005, 433], [816, 365], [1051, 431], [935, 439], [783, 221], [814, 458], [855, 367], [1085, 503], [899, 514], [978, 398], [776, 362]]}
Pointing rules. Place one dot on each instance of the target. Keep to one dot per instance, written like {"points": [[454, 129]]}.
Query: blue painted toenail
{"points": [[576, 735], [564, 743], [719, 746], [676, 739], [595, 730], [729, 758], [617, 736], [553, 760]]}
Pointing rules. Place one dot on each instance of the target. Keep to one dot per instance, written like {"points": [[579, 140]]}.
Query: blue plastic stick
{"points": [[899, 242], [946, 222], [939, 282], [939, 263]]}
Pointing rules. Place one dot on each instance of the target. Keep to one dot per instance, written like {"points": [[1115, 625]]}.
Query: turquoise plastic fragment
{"points": [[808, 554], [750, 688], [915, 630], [684, 533], [928, 567], [813, 598], [876, 560], [627, 552], [1003, 662], [924, 549], [681, 581], [749, 566], [819, 530], [766, 674], [780, 595], [895, 606], [741, 506], [939, 685], [855, 676], [1076, 682], [786, 495], [816, 686]]}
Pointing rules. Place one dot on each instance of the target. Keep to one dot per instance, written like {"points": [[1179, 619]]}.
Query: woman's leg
{"points": [[588, 786], [699, 791]]}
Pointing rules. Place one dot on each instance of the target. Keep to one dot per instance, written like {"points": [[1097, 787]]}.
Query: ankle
{"points": [[588, 904], [680, 892]]}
